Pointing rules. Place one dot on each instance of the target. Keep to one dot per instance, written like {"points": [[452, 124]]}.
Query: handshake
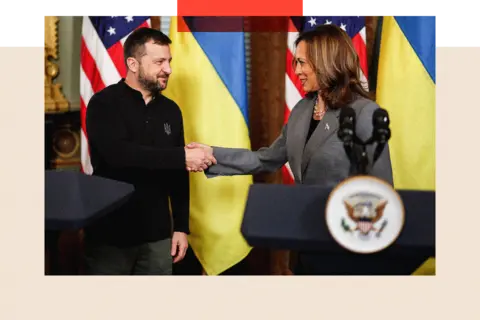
{"points": [[198, 157]]}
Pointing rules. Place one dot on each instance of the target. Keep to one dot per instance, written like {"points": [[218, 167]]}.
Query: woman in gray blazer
{"points": [[328, 68]]}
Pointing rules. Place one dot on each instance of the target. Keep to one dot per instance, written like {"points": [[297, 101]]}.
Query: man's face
{"points": [[154, 69]]}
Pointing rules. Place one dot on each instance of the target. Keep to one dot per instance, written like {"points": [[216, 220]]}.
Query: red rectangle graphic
{"points": [[241, 8]]}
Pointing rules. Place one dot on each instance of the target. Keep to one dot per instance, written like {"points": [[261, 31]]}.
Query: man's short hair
{"points": [[134, 46]]}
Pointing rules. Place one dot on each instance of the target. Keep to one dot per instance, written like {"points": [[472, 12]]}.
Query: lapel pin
{"points": [[327, 127]]}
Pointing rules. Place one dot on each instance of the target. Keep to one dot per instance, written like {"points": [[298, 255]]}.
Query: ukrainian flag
{"points": [[406, 88], [209, 84]]}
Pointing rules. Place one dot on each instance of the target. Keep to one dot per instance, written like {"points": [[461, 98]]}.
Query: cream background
{"points": [[27, 294]]}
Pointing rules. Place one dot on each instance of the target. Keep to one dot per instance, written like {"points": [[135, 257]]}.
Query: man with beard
{"points": [[136, 136]]}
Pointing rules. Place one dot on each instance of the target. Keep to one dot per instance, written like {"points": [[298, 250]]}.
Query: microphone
{"points": [[381, 131], [346, 131]]}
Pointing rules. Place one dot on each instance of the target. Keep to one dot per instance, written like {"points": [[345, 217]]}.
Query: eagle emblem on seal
{"points": [[365, 210]]}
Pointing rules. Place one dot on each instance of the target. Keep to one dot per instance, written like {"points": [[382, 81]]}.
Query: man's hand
{"points": [[179, 246], [199, 157]]}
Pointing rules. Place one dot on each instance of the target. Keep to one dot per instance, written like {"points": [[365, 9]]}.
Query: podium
{"points": [[287, 217], [74, 200]]}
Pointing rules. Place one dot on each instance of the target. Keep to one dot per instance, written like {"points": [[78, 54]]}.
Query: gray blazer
{"points": [[322, 161]]}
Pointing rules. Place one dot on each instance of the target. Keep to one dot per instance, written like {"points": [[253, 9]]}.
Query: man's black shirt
{"points": [[142, 144]]}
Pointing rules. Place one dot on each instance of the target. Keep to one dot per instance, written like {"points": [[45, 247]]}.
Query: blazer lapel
{"points": [[325, 129], [297, 136]]}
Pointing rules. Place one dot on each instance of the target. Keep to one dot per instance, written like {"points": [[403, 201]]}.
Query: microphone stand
{"points": [[363, 161], [356, 148]]}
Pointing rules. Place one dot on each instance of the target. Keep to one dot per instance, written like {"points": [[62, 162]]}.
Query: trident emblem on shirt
{"points": [[167, 128]]}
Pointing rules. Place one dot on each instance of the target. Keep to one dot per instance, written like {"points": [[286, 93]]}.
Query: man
{"points": [[136, 136]]}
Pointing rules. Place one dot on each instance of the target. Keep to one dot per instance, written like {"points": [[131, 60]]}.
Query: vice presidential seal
{"points": [[364, 214]]}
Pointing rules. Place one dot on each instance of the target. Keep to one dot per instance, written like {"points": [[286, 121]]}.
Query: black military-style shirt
{"points": [[142, 144]]}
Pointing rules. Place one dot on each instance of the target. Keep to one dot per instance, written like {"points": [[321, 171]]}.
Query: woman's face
{"points": [[304, 70]]}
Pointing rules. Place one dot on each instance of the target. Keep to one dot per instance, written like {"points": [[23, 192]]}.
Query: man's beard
{"points": [[150, 85]]}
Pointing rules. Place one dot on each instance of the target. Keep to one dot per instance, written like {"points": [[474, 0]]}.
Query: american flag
{"points": [[101, 62], [354, 26]]}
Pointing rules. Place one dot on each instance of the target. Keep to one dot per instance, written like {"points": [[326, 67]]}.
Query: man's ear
{"points": [[132, 64]]}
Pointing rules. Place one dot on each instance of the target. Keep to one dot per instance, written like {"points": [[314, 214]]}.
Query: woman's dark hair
{"points": [[332, 56], [134, 46]]}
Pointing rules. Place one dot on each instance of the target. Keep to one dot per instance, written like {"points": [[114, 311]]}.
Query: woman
{"points": [[328, 68]]}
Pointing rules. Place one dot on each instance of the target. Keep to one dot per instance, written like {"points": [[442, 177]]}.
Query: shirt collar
{"points": [[135, 92]]}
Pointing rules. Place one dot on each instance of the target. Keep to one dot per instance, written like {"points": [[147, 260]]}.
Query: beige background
{"points": [[25, 293]]}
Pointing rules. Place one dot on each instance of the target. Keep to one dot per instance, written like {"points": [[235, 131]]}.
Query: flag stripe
{"points": [[85, 152], [230, 71], [361, 49], [86, 91], [83, 115], [406, 90], [90, 68], [292, 95], [116, 54], [420, 33]]}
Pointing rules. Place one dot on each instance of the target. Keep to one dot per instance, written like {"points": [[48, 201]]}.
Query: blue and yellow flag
{"points": [[406, 88], [209, 84]]}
